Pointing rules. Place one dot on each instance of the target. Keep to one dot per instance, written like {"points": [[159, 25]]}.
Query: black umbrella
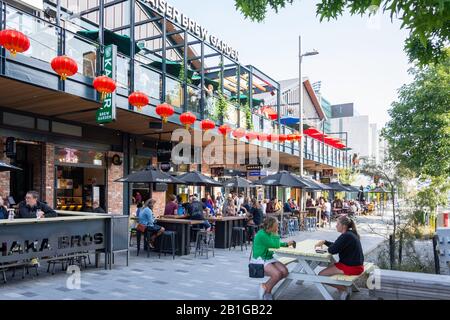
{"points": [[150, 175], [195, 178], [352, 189], [317, 185], [337, 186], [283, 179], [8, 167], [238, 182]]}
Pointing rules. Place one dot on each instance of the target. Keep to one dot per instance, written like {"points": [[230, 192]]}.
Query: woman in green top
{"points": [[266, 239]]}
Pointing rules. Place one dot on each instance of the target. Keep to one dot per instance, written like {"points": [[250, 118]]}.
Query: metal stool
{"points": [[238, 235], [138, 242], [204, 240], [251, 232], [4, 274], [167, 235], [311, 223], [133, 231]]}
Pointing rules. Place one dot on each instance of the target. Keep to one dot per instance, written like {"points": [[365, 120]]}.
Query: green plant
{"points": [[182, 75], [248, 116], [221, 107]]}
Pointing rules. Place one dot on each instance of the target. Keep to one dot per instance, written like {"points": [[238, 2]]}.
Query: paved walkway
{"points": [[222, 277]]}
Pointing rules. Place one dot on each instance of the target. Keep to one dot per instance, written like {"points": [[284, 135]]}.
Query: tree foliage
{"points": [[419, 130], [427, 20]]}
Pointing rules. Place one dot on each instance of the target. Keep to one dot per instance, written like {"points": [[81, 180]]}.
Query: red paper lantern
{"points": [[105, 85], [165, 111], [262, 137], [138, 99], [250, 135], [272, 137], [188, 119], [239, 133], [282, 137], [224, 129], [294, 137], [207, 124], [14, 41], [64, 66]]}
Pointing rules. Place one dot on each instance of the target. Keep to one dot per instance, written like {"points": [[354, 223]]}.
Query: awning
{"points": [[196, 79], [122, 42], [244, 98], [172, 67], [269, 112], [289, 121]]}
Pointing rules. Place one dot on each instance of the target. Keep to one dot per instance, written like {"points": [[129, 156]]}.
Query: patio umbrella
{"points": [[122, 42], [289, 121], [195, 178], [317, 185], [196, 79], [8, 167], [283, 179], [352, 189], [150, 175], [238, 182], [337, 186], [244, 98]]}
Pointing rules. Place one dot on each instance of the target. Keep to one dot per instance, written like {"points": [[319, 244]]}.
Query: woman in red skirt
{"points": [[348, 246]]}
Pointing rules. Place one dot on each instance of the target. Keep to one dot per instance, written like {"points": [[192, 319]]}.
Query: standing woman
{"points": [[265, 239], [348, 246]]}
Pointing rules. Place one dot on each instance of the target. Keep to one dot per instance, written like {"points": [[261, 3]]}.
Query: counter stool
{"points": [[3, 270], [311, 223], [251, 231], [64, 262], [205, 241], [133, 232], [194, 230], [238, 236], [138, 241], [167, 236]]}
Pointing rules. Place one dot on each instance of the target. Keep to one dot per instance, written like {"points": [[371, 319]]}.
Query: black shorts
{"points": [[153, 229]]}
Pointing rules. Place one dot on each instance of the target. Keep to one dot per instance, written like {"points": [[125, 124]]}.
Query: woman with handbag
{"points": [[268, 238], [147, 223]]}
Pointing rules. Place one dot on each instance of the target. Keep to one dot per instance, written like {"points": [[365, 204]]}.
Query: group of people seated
{"points": [[347, 246], [29, 208]]}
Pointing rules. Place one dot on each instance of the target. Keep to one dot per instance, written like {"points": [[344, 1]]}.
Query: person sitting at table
{"points": [[268, 238], [255, 214], [229, 208], [337, 203], [4, 214], [147, 218], [273, 206], [196, 212], [171, 208], [209, 207], [96, 207], [309, 202], [264, 206], [348, 246], [287, 206], [325, 207], [31, 206]]}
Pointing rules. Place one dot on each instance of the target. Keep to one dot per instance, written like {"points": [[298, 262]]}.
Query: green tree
{"points": [[427, 20], [418, 133]]}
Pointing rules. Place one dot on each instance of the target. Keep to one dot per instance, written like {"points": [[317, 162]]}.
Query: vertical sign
{"points": [[107, 113]]}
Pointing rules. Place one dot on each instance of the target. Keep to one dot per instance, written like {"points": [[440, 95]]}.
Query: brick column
{"points": [[4, 176], [114, 189], [158, 196], [49, 173]]}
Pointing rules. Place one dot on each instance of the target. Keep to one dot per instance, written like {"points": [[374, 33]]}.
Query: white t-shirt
{"points": [[327, 207]]}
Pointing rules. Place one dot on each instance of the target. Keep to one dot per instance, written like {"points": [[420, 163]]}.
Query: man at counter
{"points": [[31, 207]]}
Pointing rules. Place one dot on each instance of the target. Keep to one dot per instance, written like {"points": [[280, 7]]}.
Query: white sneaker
{"points": [[261, 292], [268, 296]]}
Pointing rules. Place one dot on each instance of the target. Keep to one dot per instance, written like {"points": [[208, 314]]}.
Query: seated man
{"points": [[147, 218], [96, 208], [195, 212], [33, 208], [287, 206]]}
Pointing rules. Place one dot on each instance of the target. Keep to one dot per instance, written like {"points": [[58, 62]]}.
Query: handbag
{"points": [[255, 270], [141, 227]]}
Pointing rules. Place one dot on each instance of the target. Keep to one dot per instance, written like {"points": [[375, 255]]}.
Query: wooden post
{"points": [[436, 254]]}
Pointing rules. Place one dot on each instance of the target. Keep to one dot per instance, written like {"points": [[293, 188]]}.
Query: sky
{"points": [[361, 59]]}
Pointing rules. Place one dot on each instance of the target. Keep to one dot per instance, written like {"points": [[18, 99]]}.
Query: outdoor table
{"points": [[307, 259], [183, 230], [223, 228]]}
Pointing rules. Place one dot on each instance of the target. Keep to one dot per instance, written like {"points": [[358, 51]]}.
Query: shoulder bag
{"points": [[255, 270]]}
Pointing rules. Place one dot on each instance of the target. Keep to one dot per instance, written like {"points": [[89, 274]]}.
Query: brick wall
{"points": [[114, 189], [35, 159], [49, 174], [4, 176]]}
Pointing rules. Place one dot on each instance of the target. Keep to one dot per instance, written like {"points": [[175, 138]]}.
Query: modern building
{"points": [[73, 147]]}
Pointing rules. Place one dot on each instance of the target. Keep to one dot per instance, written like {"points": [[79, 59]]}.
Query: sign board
{"points": [[164, 151], [254, 173], [254, 167], [327, 172], [325, 180], [107, 112]]}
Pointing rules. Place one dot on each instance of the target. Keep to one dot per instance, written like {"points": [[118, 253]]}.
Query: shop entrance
{"points": [[29, 159]]}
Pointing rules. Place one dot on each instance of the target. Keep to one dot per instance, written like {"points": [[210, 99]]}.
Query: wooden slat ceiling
{"points": [[29, 98]]}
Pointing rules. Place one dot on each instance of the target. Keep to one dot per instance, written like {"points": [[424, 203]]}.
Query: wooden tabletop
{"points": [[228, 218], [179, 221], [50, 220], [304, 249]]}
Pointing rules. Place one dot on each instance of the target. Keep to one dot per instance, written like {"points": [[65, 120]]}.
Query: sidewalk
{"points": [[223, 277]]}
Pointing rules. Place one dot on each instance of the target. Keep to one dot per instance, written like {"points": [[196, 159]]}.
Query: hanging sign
{"points": [[107, 112]]}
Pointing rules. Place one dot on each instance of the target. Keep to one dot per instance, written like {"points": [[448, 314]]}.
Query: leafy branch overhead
{"points": [[427, 20]]}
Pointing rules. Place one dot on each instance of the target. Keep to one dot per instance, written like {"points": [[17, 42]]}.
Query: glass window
{"points": [[18, 120], [65, 128], [76, 156], [43, 124]]}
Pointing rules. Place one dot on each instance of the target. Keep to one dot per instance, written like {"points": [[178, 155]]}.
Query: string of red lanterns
{"points": [[14, 41], [165, 111], [188, 119], [239, 133], [64, 66]]}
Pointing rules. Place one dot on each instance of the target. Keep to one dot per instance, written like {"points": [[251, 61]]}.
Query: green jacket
{"points": [[263, 242]]}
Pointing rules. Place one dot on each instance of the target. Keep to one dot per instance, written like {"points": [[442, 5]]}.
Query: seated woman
{"points": [[348, 246], [265, 239], [147, 218]]}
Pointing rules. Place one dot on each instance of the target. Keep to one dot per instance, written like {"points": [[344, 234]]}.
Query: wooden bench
{"points": [[400, 285], [339, 279]]}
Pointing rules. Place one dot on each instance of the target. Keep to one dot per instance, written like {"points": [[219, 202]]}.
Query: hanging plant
{"points": [[221, 107], [248, 116], [182, 73]]}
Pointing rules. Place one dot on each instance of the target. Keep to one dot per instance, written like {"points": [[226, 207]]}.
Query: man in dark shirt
{"points": [[195, 212], [96, 208], [30, 208]]}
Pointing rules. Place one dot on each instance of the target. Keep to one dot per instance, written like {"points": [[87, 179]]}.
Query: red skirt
{"points": [[349, 270]]}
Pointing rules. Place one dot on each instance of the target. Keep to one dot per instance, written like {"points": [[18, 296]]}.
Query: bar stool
{"points": [[167, 236], [238, 236], [251, 231], [138, 241], [311, 223], [203, 242], [133, 232], [3, 270], [194, 230]]}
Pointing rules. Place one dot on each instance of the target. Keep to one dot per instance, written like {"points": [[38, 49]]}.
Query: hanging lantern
{"points": [[64, 66], [239, 133], [105, 85], [262, 136], [294, 137], [164, 110], [250, 135], [224, 129], [188, 119], [14, 41], [272, 137], [282, 137], [138, 99], [207, 124]]}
